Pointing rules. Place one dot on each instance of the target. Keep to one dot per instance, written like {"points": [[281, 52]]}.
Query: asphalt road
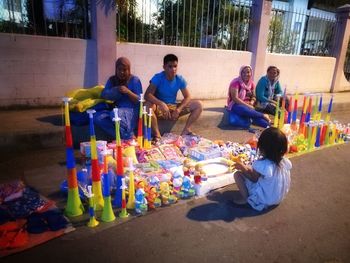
{"points": [[311, 225]]}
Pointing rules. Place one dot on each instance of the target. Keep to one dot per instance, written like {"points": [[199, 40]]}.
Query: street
{"points": [[311, 225]]}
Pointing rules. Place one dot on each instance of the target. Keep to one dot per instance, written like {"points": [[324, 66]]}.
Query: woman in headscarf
{"points": [[267, 89], [241, 98], [123, 89]]}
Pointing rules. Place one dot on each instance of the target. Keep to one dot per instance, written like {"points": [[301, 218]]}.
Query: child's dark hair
{"points": [[273, 144], [170, 58]]}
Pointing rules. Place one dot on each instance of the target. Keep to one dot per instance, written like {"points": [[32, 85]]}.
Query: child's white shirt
{"points": [[273, 184]]}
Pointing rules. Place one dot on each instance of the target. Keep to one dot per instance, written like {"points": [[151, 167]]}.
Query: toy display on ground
{"points": [[180, 167], [123, 178]]}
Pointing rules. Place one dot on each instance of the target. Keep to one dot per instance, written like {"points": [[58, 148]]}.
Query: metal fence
{"points": [[301, 32], [220, 24], [62, 18]]}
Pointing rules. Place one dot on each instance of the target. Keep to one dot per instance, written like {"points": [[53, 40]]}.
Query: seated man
{"points": [[161, 97]]}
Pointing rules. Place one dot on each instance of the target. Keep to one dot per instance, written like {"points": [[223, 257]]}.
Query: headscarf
{"points": [[272, 84], [122, 61], [244, 86]]}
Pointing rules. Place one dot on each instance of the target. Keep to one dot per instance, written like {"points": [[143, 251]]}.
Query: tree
{"points": [[185, 22]]}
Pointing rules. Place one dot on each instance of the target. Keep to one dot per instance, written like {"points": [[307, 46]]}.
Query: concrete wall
{"points": [[309, 73], [37, 70], [208, 72]]}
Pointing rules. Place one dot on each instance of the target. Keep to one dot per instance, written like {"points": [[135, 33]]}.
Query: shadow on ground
{"points": [[56, 120], [223, 208]]}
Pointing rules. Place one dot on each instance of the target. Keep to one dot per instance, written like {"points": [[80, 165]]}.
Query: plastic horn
{"points": [[290, 107], [323, 133], [123, 213], [95, 170], [131, 199], [314, 110], [283, 110], [277, 112], [295, 110], [119, 166], [303, 115], [107, 212], [92, 219], [74, 206], [318, 134], [139, 128], [308, 112], [149, 129], [145, 131], [309, 134], [319, 109], [327, 135], [329, 109]]}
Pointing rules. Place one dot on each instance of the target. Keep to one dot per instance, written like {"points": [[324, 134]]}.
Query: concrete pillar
{"points": [[258, 35], [340, 44], [103, 31]]}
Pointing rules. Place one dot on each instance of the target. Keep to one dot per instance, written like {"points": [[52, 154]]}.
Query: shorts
{"points": [[172, 107]]}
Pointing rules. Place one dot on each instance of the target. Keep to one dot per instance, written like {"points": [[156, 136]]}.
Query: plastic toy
{"points": [[146, 145], [129, 151], [153, 198], [149, 130], [139, 128], [74, 206], [120, 166], [165, 193], [131, 198], [123, 213], [187, 190], [140, 201], [95, 169], [107, 211], [92, 219]]}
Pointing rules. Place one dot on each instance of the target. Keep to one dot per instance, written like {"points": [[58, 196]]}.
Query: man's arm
{"points": [[186, 100], [150, 97]]}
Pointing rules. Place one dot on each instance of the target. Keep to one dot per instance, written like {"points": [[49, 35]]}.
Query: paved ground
{"points": [[311, 225]]}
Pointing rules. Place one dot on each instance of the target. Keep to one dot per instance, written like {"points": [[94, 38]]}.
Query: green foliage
{"points": [[187, 21], [280, 41]]}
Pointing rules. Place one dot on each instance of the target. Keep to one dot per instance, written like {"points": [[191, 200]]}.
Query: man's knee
{"points": [[196, 105]]}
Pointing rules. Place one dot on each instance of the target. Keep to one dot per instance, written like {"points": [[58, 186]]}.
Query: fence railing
{"points": [[301, 32], [220, 24], [63, 18]]}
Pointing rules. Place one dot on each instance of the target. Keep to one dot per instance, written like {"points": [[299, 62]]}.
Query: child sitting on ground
{"points": [[267, 181]]}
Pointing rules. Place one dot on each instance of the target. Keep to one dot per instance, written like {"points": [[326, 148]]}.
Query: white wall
{"points": [[208, 72], [309, 73], [37, 70]]}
